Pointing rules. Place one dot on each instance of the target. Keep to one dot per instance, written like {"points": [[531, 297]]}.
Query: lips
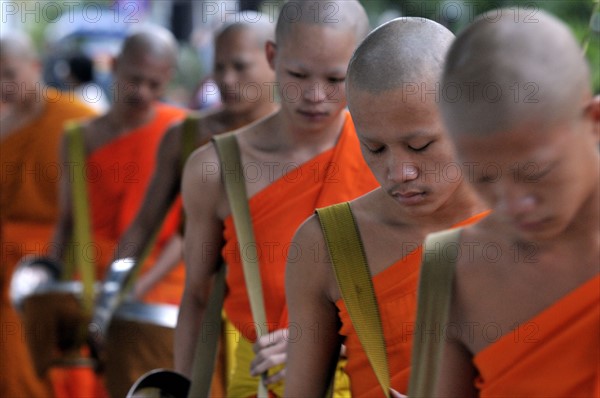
{"points": [[531, 225], [310, 114], [409, 197]]}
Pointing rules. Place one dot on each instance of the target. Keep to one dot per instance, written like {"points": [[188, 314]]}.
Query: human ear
{"points": [[592, 112], [271, 50]]}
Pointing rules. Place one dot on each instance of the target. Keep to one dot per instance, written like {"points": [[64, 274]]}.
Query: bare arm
{"points": [[457, 372], [168, 259], [161, 192], [202, 194], [314, 342]]}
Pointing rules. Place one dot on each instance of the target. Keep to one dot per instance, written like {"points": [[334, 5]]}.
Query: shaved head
{"points": [[155, 41], [402, 51], [336, 14], [501, 72], [255, 22], [17, 45]]}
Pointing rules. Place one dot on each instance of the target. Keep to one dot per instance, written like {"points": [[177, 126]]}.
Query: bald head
{"points": [[402, 51], [17, 45], [261, 26], [156, 42], [501, 73], [348, 15]]}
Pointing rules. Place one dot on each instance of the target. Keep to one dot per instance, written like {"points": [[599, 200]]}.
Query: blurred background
{"points": [[79, 38]]}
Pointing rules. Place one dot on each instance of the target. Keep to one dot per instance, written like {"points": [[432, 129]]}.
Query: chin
{"points": [[546, 232]]}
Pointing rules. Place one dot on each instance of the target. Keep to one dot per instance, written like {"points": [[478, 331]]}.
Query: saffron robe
{"points": [[554, 354], [118, 175], [337, 175], [396, 292], [31, 171]]}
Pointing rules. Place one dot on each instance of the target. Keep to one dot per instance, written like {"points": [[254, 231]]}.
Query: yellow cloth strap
{"points": [[188, 135], [434, 294], [81, 213], [354, 279], [190, 125], [235, 186]]}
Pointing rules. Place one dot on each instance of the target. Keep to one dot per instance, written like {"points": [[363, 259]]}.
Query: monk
{"points": [[304, 156], [240, 67], [31, 125], [405, 145], [121, 147], [532, 302]]}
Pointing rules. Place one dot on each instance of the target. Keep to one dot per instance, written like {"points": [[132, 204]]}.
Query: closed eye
{"points": [[421, 148], [297, 75], [336, 80], [376, 151], [485, 180]]}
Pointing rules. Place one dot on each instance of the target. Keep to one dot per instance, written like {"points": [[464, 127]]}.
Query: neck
{"points": [[234, 121], [124, 120], [315, 140], [14, 117]]}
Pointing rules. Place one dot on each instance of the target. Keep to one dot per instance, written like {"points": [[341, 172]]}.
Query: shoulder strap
{"points": [[434, 294], [208, 339], [190, 125], [81, 213], [235, 186], [354, 279], [231, 170]]}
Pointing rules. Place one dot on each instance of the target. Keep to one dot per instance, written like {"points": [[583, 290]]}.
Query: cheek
{"points": [[377, 166], [336, 91]]}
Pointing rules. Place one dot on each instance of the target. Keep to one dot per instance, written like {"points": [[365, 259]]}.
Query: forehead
{"points": [[519, 145], [144, 64], [237, 40], [312, 41], [394, 111]]}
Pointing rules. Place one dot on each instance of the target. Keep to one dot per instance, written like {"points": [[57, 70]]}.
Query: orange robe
{"points": [[337, 175], [118, 175], [31, 170], [554, 354], [396, 292]]}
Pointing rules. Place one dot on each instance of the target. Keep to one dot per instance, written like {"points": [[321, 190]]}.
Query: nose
{"points": [[228, 77], [315, 92], [146, 93], [514, 202], [402, 171]]}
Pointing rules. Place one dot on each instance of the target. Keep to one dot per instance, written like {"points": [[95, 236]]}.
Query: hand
{"points": [[396, 394], [141, 287], [270, 350]]}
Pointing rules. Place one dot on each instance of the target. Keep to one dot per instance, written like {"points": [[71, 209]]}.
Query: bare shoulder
{"points": [[309, 263], [170, 149], [202, 187], [96, 132]]}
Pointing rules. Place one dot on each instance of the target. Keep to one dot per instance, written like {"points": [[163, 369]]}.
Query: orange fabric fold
{"points": [[118, 175], [31, 170], [396, 292], [555, 354], [337, 175]]}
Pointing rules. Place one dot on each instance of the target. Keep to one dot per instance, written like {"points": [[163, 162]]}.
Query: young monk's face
{"points": [[19, 77], [140, 81], [310, 64], [405, 145], [242, 72], [537, 179]]}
